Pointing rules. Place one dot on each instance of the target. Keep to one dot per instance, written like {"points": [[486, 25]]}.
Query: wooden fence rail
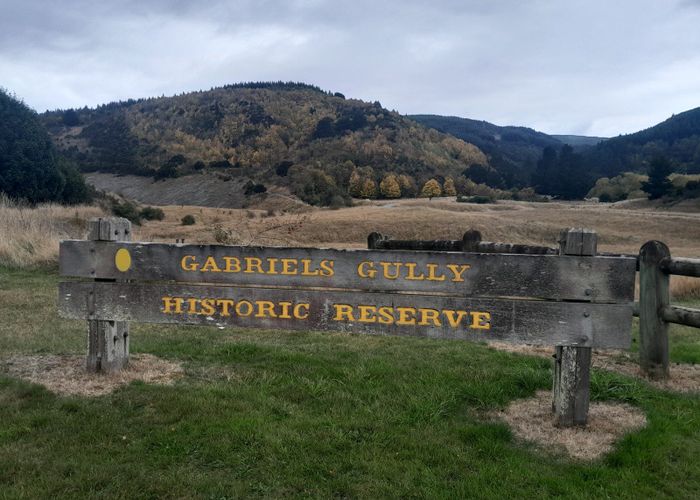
{"points": [[654, 309], [571, 298]]}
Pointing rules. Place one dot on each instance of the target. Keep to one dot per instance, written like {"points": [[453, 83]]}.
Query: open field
{"points": [[267, 413]]}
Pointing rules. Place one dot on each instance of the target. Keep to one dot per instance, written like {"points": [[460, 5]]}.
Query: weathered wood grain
{"points": [[596, 279], [681, 315], [681, 266], [572, 364], [521, 321], [653, 298], [108, 341]]}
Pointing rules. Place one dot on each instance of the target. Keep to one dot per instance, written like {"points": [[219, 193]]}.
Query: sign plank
{"points": [[589, 279], [520, 321]]}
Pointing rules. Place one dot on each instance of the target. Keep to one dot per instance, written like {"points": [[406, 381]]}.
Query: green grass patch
{"points": [[268, 414]]}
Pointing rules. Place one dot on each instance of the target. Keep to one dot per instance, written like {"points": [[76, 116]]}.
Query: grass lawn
{"points": [[266, 413]]}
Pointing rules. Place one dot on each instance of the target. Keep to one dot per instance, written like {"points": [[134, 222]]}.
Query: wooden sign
{"points": [[537, 299]]}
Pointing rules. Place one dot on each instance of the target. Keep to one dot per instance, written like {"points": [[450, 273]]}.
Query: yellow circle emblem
{"points": [[122, 259]]}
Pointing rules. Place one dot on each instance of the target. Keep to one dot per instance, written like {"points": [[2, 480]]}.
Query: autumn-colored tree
{"points": [[431, 189], [390, 187], [355, 184], [408, 186], [369, 188], [449, 187]]}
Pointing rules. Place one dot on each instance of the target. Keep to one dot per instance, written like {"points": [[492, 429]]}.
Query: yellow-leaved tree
{"points": [[355, 185], [431, 189], [448, 189], [389, 187], [369, 188]]}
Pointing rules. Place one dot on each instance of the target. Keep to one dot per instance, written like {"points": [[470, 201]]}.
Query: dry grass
{"points": [[619, 229], [684, 287], [29, 236], [66, 375], [531, 420]]}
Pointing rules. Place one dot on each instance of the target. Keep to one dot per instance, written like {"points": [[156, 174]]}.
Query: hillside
{"points": [[677, 138], [578, 141], [512, 151], [273, 133]]}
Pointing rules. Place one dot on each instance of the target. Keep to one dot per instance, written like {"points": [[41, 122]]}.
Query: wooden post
{"points": [[653, 298], [108, 341], [572, 365]]}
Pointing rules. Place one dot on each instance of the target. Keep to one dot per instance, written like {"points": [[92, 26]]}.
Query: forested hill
{"points": [[264, 131], [677, 139], [512, 151]]}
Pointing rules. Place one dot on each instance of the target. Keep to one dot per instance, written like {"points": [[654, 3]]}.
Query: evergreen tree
{"points": [[431, 189], [29, 166], [659, 184], [390, 187]]}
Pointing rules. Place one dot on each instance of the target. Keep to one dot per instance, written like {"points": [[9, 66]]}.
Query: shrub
{"points": [[152, 213], [188, 220], [128, 210], [475, 199]]}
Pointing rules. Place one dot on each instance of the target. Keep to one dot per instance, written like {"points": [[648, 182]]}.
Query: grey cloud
{"points": [[594, 67]]}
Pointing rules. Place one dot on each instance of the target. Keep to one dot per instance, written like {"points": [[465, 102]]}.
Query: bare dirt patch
{"points": [[683, 377], [531, 420], [66, 375]]}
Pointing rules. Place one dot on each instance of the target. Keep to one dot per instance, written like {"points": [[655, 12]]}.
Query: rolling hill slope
{"points": [[272, 133]]}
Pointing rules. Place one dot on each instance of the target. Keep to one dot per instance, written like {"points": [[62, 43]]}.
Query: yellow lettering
{"points": [[297, 311], [367, 314], [172, 305], [272, 262], [481, 320], [343, 312], [233, 265], [406, 316], [210, 265], [247, 305], [253, 265], [366, 269], [429, 315], [266, 309], [192, 306], [327, 268], [397, 270], [224, 304], [305, 271], [208, 307], [289, 266], [386, 315], [188, 266], [454, 318], [431, 273], [285, 310], [411, 266], [458, 271]]}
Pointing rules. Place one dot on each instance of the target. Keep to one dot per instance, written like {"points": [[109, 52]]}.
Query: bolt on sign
{"points": [[537, 299]]}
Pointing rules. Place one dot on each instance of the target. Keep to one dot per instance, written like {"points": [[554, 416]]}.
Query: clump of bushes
{"points": [[128, 210], [481, 199], [188, 220], [152, 213]]}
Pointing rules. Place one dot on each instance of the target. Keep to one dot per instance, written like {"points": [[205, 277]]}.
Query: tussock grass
{"points": [[685, 287], [29, 236]]}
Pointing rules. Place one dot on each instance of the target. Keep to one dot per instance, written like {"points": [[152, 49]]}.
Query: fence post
{"points": [[572, 365], [108, 341], [653, 297]]}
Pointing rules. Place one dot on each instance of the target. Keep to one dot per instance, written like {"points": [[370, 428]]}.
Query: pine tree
{"points": [[659, 184], [449, 187], [390, 187], [431, 189]]}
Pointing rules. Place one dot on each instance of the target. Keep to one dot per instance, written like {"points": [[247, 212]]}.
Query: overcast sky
{"points": [[593, 67]]}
